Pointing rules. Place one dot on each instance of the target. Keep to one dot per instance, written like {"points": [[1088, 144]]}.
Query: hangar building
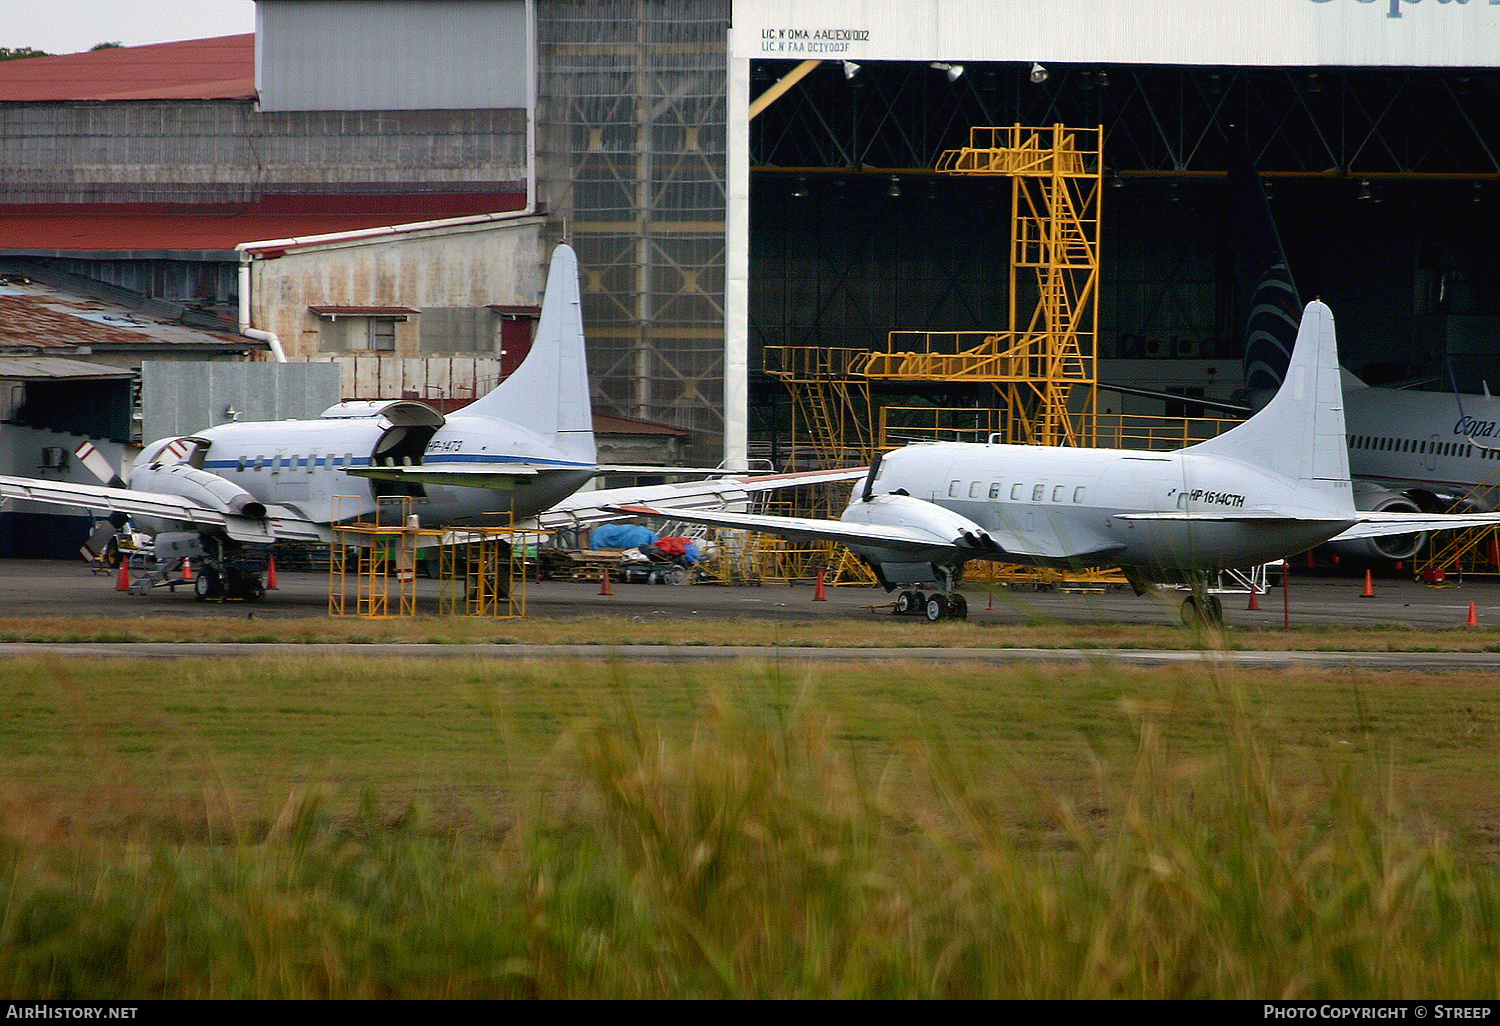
{"points": [[489, 129]]}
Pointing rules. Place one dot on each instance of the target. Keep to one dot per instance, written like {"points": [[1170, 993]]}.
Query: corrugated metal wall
{"points": [[631, 149], [190, 396], [432, 55], [224, 151]]}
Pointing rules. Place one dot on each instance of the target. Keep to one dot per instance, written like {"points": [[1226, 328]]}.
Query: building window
{"points": [[359, 328]]}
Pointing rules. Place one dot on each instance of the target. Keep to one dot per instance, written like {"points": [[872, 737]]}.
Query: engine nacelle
{"points": [[1391, 547], [945, 526], [210, 490]]}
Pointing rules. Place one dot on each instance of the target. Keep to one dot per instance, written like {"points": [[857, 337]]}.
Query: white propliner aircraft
{"points": [[1274, 485], [220, 496]]}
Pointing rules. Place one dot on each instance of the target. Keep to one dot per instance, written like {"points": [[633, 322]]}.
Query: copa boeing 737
{"points": [[1409, 451], [1276, 484], [522, 451]]}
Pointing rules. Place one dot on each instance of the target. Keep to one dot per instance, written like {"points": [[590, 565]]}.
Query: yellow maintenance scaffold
{"points": [[1043, 364], [480, 571]]}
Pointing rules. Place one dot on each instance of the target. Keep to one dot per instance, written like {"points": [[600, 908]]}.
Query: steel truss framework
{"points": [[631, 163], [1314, 121]]}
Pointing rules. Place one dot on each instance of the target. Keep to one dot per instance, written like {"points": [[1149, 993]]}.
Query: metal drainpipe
{"points": [[277, 352]]}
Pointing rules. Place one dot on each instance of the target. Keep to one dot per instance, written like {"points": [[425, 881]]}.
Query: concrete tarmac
{"points": [[32, 588]]}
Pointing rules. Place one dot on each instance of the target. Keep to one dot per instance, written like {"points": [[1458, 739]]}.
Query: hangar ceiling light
{"points": [[953, 70], [1038, 73]]}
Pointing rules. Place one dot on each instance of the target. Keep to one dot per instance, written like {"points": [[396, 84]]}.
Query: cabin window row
{"points": [[1378, 443], [288, 462], [1017, 491]]}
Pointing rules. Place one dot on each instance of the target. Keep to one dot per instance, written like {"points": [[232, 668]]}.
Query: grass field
{"points": [[877, 632], [360, 827]]}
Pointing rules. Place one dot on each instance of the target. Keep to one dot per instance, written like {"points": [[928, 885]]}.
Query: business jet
{"points": [[1274, 485], [518, 454]]}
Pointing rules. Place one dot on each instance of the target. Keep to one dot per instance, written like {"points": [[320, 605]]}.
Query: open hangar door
{"points": [[1383, 184]]}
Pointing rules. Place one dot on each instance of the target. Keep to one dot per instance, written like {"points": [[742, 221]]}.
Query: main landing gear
{"points": [[935, 607], [1199, 608], [212, 585]]}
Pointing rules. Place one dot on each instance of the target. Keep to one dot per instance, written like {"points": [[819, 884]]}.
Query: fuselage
{"points": [[1408, 440], [303, 465], [1057, 501]]}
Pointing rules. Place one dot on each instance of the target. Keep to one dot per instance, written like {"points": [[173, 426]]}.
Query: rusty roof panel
{"points": [[36, 317]]}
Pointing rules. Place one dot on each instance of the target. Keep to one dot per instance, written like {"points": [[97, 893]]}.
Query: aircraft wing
{"points": [[279, 524], [887, 535], [671, 499], [899, 537]]}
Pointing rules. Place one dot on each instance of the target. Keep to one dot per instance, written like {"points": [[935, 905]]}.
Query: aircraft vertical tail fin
{"points": [[1263, 277], [549, 392], [1300, 432]]}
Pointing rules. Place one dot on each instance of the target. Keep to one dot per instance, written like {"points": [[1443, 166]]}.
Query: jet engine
{"points": [[1391, 547]]}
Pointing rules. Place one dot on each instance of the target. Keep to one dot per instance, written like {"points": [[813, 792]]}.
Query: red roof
{"points": [[117, 228], [195, 69], [607, 424]]}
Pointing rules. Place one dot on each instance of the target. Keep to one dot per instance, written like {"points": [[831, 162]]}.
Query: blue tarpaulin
{"points": [[621, 536]]}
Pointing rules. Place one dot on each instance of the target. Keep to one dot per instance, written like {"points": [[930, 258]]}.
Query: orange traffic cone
{"points": [[187, 569], [122, 581], [992, 601], [604, 583], [271, 574], [1369, 591], [1254, 598], [1473, 620], [818, 594]]}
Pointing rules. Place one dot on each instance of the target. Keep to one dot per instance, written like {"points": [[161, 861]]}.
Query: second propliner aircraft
{"points": [[1276, 484]]}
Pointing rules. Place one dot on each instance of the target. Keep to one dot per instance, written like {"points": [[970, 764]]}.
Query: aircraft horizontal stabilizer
{"points": [[1378, 525], [1248, 516]]}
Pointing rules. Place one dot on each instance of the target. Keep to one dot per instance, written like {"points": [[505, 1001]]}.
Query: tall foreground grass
{"points": [[757, 851]]}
